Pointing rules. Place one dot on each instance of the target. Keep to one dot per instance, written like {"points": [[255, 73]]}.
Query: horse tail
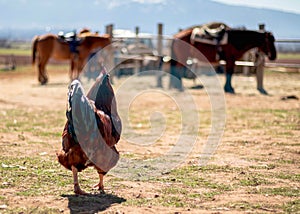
{"points": [[34, 45]]}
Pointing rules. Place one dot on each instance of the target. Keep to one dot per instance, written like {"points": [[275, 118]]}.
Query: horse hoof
{"points": [[229, 90], [44, 82], [262, 91]]}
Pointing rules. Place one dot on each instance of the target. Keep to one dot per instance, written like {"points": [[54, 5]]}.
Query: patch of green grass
{"points": [[33, 210], [33, 176], [62, 67], [286, 161], [3, 200], [256, 207], [15, 51], [264, 177], [173, 201], [184, 187], [267, 166], [283, 191], [210, 194], [139, 201], [196, 170], [281, 118], [243, 205], [288, 56], [291, 177], [253, 181], [292, 206], [187, 181], [223, 168], [39, 123], [130, 156], [174, 189]]}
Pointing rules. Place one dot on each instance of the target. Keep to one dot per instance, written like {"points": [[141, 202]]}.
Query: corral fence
{"points": [[10, 62], [161, 46], [139, 51]]}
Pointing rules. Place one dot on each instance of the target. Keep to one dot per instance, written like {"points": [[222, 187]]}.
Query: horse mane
{"points": [[240, 37], [246, 33]]}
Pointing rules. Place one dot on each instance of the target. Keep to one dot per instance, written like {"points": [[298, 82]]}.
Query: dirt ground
{"points": [[255, 169]]}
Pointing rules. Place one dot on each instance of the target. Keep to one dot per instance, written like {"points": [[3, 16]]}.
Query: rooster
{"points": [[92, 129]]}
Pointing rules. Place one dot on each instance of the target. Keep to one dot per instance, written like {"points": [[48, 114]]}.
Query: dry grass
{"points": [[255, 169]]}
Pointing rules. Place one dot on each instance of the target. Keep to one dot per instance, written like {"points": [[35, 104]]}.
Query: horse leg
{"points": [[172, 76], [72, 65], [43, 78], [228, 88], [229, 71], [175, 77], [79, 68], [260, 74], [260, 79]]}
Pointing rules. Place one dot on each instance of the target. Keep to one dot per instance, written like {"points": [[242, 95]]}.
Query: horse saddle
{"points": [[70, 38], [66, 36], [212, 33]]}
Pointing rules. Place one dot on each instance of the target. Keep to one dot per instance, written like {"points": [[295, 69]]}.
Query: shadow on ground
{"points": [[92, 203]]}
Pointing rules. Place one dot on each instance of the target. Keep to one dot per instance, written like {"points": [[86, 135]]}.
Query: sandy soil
{"points": [[242, 145]]}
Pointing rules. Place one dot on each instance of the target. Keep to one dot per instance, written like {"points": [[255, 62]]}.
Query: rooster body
{"points": [[91, 131]]}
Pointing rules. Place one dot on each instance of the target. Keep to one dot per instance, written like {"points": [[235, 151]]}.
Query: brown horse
{"points": [[51, 46], [239, 42]]}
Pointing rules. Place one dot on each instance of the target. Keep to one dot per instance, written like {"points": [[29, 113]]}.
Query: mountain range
{"points": [[22, 19]]}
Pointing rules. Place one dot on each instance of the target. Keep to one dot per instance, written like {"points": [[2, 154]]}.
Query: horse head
{"points": [[269, 46]]}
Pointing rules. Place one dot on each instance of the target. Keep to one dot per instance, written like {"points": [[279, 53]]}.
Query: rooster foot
{"points": [[99, 187], [78, 190]]}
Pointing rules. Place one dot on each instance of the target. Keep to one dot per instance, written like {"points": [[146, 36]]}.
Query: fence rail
{"points": [[287, 41]]}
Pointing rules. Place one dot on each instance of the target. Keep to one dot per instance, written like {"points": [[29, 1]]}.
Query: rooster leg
{"points": [[100, 184], [77, 189]]}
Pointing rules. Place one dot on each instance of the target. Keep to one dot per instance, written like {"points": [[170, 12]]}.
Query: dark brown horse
{"points": [[239, 42], [51, 46]]}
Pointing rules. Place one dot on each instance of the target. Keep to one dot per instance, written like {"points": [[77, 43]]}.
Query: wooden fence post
{"points": [[159, 74], [110, 64], [246, 57], [175, 74], [109, 29], [260, 64], [137, 41]]}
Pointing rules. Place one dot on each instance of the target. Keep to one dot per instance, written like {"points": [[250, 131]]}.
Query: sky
{"points": [[30, 14], [282, 5]]}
